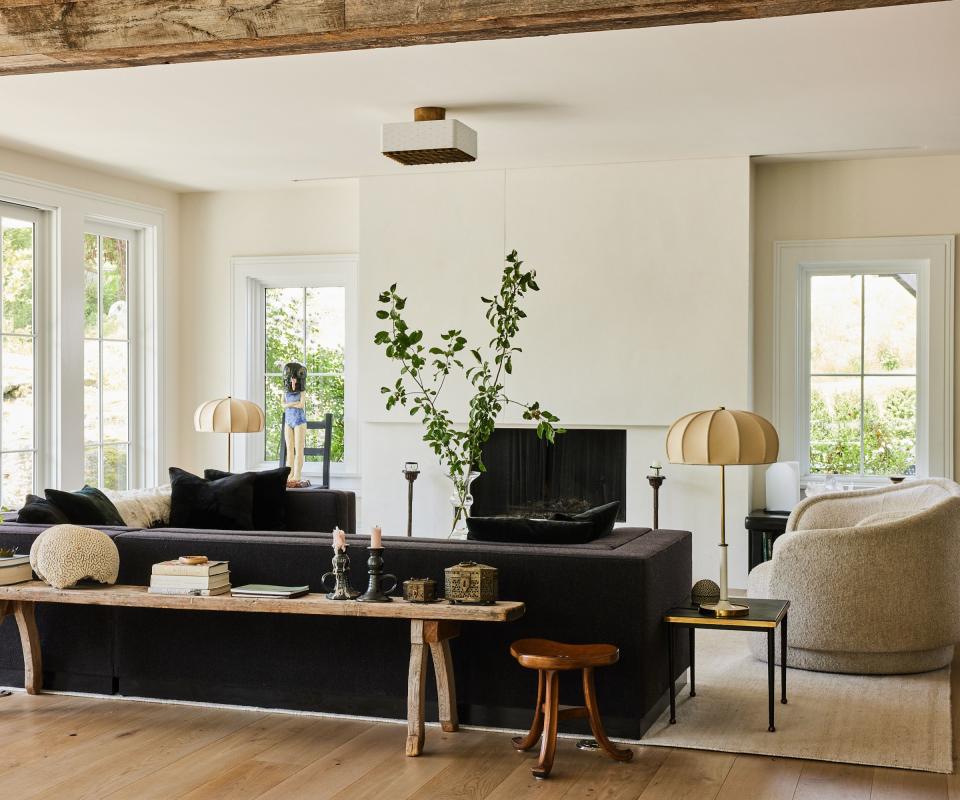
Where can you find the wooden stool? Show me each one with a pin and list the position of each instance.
(549, 658)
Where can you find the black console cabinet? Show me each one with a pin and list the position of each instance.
(763, 528)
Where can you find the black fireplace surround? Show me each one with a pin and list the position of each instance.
(613, 589)
(528, 477)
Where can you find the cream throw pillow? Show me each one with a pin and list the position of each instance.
(143, 508)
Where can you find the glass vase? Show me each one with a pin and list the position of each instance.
(461, 502)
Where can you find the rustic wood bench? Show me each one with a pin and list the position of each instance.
(432, 626)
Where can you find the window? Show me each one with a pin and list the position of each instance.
(296, 308)
(862, 363)
(106, 361)
(863, 383)
(18, 249)
(307, 325)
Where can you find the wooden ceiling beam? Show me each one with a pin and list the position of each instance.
(51, 35)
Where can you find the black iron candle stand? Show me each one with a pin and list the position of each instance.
(656, 481)
(376, 593)
(342, 590)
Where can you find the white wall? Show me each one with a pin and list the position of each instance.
(644, 314)
(216, 226)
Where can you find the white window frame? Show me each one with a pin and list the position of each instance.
(932, 259)
(251, 276)
(136, 355)
(66, 211)
(41, 341)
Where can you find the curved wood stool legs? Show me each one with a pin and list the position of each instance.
(536, 727)
(593, 714)
(548, 748)
(547, 715)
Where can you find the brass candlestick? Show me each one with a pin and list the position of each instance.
(342, 590)
(375, 593)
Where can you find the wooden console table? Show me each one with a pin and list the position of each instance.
(432, 626)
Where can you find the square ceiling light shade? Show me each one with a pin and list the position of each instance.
(429, 141)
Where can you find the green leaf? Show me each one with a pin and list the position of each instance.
(381, 314)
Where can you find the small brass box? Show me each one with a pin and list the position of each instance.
(420, 590)
(470, 582)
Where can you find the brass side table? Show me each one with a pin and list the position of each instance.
(765, 615)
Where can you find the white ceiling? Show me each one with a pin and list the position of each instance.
(885, 79)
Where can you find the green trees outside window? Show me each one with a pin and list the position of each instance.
(307, 325)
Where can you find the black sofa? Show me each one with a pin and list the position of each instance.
(614, 589)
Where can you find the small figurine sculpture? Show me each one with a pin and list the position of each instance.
(295, 421)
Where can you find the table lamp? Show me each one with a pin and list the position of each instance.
(228, 415)
(722, 438)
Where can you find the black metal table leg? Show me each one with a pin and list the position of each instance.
(693, 670)
(673, 688)
(771, 669)
(783, 660)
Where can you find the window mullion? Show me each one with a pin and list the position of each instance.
(100, 357)
(863, 366)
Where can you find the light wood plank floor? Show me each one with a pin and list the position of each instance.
(75, 748)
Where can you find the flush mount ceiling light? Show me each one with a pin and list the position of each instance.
(430, 139)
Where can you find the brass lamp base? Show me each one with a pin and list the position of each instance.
(724, 608)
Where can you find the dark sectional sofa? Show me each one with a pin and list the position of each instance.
(614, 589)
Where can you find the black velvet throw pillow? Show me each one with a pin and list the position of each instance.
(269, 496)
(38, 511)
(602, 518)
(89, 506)
(224, 504)
(529, 531)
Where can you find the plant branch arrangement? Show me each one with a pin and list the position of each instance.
(424, 372)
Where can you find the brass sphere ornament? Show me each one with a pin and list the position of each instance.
(704, 592)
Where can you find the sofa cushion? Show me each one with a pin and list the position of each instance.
(143, 508)
(269, 496)
(42, 511)
(602, 517)
(88, 506)
(226, 504)
(535, 531)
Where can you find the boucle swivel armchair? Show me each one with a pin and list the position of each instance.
(873, 579)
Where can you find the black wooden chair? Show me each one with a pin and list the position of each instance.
(324, 451)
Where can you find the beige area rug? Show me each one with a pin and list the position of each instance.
(889, 721)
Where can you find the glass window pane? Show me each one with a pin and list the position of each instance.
(273, 410)
(115, 392)
(16, 479)
(91, 391)
(115, 466)
(835, 324)
(835, 425)
(113, 275)
(91, 285)
(17, 393)
(91, 466)
(326, 397)
(283, 328)
(17, 258)
(326, 329)
(890, 425)
(890, 323)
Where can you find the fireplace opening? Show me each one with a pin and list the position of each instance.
(527, 477)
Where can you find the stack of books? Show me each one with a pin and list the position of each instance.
(207, 579)
(15, 569)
